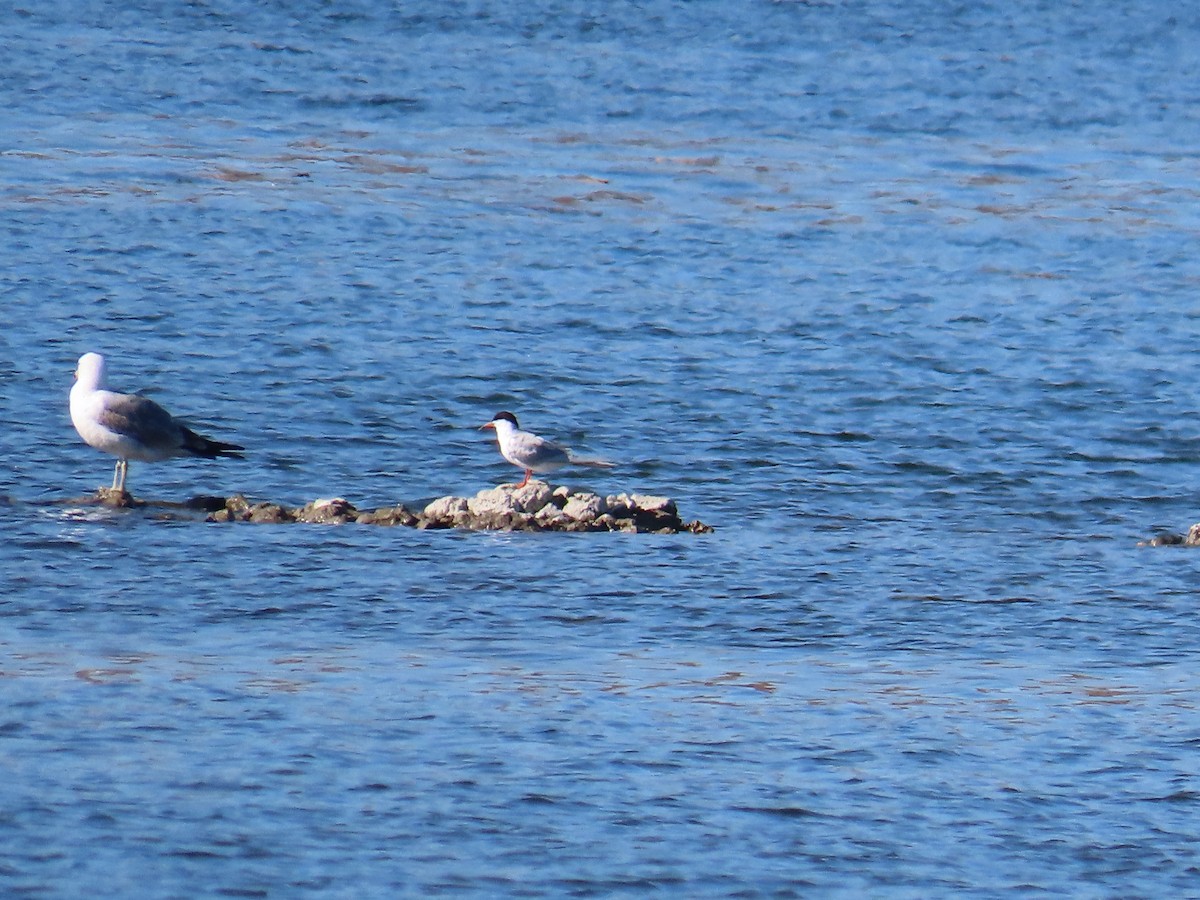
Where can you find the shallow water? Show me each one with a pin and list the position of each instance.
(897, 296)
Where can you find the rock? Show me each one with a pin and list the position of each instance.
(619, 506)
(389, 515)
(549, 517)
(445, 508)
(486, 504)
(1193, 536)
(205, 503)
(117, 498)
(507, 497)
(1164, 540)
(650, 504)
(434, 524)
(499, 521)
(270, 513)
(584, 507)
(445, 512)
(534, 507)
(333, 511)
(609, 522)
(236, 509)
(533, 496)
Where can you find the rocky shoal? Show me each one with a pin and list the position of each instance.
(1191, 539)
(535, 507)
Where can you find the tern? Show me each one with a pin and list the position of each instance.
(532, 453)
(130, 426)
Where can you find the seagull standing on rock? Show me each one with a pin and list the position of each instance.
(532, 453)
(132, 427)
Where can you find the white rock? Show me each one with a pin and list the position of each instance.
(618, 505)
(446, 508)
(548, 515)
(508, 498)
(482, 505)
(532, 497)
(322, 502)
(650, 503)
(584, 507)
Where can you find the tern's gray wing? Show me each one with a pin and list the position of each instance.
(142, 420)
(540, 451)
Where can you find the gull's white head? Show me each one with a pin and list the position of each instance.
(90, 371)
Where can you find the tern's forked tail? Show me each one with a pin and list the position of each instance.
(592, 461)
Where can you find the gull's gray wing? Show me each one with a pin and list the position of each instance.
(142, 420)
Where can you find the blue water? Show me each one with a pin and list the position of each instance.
(901, 297)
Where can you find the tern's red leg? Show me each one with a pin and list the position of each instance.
(528, 472)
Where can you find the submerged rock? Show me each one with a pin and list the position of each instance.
(334, 511)
(239, 509)
(389, 515)
(205, 503)
(1191, 539)
(116, 497)
(534, 507)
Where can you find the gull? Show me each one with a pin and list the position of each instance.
(532, 453)
(130, 426)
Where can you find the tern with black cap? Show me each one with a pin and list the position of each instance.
(533, 453)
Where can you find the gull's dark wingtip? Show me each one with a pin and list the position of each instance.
(198, 445)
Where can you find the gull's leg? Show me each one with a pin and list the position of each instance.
(123, 466)
(116, 474)
(528, 473)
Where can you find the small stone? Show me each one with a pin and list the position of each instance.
(1193, 536)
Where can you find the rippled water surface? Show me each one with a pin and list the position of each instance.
(898, 296)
